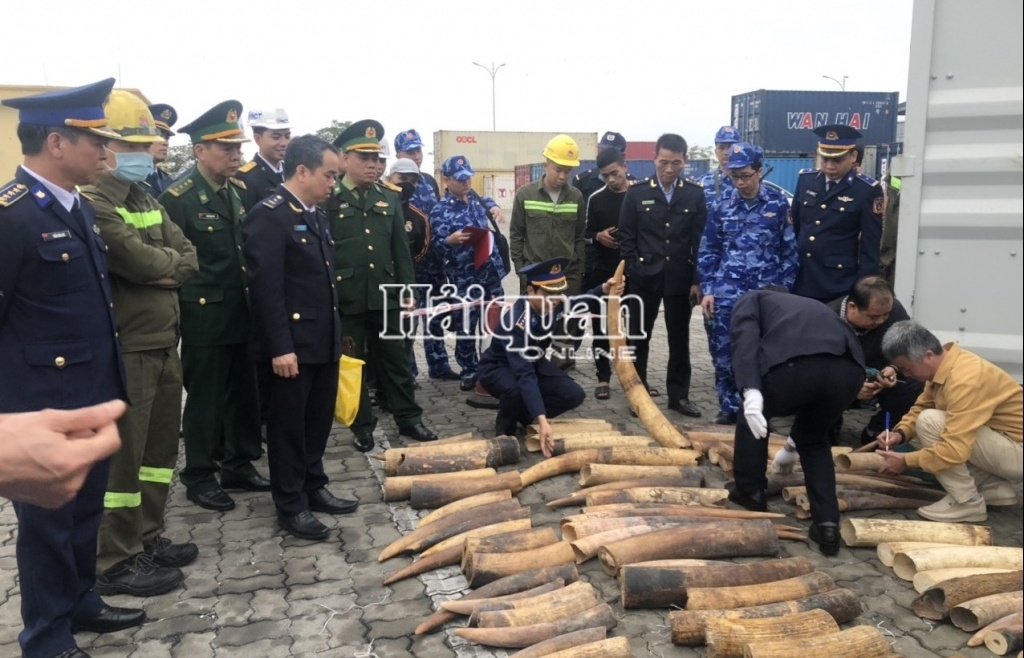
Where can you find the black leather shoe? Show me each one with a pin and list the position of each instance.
(138, 576)
(215, 500)
(109, 620)
(725, 419)
(324, 501)
(73, 652)
(304, 526)
(363, 441)
(826, 535)
(685, 407)
(167, 554)
(756, 502)
(467, 385)
(418, 432)
(447, 376)
(253, 482)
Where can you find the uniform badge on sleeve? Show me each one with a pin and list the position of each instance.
(878, 207)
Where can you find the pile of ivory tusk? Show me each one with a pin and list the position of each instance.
(959, 575)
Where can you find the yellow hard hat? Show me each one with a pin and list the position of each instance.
(562, 150)
(130, 118)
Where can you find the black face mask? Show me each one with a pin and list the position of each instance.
(407, 191)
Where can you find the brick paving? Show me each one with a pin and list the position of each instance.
(256, 593)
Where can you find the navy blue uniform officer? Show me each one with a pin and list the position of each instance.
(296, 332)
(514, 368)
(59, 349)
(837, 219)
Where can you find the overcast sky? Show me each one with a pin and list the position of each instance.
(646, 68)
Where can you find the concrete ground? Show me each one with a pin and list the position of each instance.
(255, 592)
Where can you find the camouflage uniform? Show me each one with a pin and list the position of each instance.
(451, 215)
(746, 246)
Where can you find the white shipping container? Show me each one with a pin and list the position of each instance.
(501, 188)
(502, 151)
(961, 230)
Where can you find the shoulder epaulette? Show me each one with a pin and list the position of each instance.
(812, 170)
(247, 167)
(692, 181)
(180, 188)
(867, 179)
(391, 186)
(11, 193)
(635, 181)
(240, 184)
(274, 201)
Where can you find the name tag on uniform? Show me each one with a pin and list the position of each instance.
(343, 206)
(811, 193)
(56, 235)
(300, 227)
(647, 202)
(208, 215)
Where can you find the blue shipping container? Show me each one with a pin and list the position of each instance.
(784, 171)
(783, 121)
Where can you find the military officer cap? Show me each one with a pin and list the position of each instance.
(548, 274)
(218, 124)
(269, 119)
(457, 167)
(727, 135)
(743, 154)
(78, 107)
(361, 136)
(836, 140)
(165, 116)
(612, 140)
(408, 140)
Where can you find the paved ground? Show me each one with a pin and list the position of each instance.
(257, 593)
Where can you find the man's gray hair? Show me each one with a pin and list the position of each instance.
(911, 340)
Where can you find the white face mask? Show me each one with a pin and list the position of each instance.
(133, 167)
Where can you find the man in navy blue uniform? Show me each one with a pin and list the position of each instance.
(837, 218)
(296, 332)
(271, 131)
(164, 116)
(717, 183)
(792, 356)
(748, 245)
(514, 368)
(660, 227)
(59, 349)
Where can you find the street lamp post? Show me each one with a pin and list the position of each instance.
(493, 72)
(841, 83)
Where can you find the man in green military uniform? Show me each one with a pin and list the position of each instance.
(371, 250)
(149, 259)
(221, 421)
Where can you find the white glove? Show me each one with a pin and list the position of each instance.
(785, 458)
(753, 406)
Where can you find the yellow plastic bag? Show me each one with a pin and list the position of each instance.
(350, 387)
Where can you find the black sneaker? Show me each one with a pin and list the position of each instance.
(138, 576)
(167, 554)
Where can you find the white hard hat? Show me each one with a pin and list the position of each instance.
(272, 119)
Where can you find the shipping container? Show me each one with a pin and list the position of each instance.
(961, 229)
(784, 171)
(640, 150)
(784, 121)
(488, 150)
